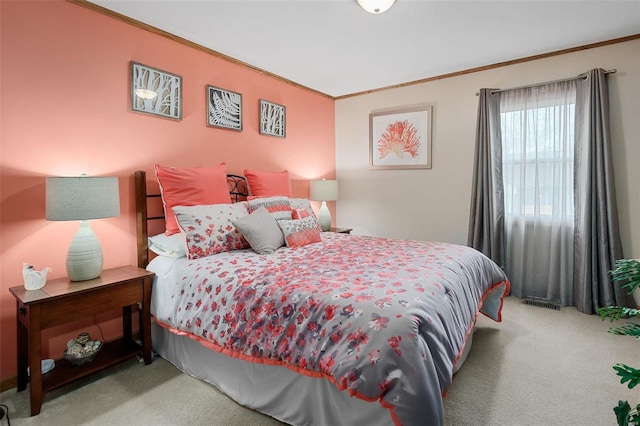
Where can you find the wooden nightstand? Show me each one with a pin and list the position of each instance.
(341, 230)
(61, 301)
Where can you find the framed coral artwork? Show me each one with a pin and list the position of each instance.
(224, 108)
(401, 138)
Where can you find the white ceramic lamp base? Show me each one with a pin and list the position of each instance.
(324, 217)
(84, 258)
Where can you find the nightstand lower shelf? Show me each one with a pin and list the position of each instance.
(111, 354)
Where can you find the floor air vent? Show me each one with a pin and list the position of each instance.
(541, 303)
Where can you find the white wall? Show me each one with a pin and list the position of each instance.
(434, 204)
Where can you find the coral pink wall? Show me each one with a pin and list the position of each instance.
(65, 111)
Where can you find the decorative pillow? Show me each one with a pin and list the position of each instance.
(169, 246)
(190, 187)
(278, 206)
(302, 203)
(299, 214)
(209, 229)
(300, 232)
(261, 230)
(268, 184)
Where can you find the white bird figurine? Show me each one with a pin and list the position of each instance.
(34, 280)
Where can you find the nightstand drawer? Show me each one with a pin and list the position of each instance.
(83, 305)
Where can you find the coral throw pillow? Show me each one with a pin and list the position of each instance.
(190, 187)
(268, 184)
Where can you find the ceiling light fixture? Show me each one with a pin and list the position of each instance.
(375, 6)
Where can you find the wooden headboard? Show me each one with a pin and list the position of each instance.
(151, 200)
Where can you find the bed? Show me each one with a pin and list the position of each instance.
(346, 330)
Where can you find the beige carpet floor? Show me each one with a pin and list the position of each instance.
(537, 367)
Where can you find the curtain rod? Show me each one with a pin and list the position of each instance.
(578, 77)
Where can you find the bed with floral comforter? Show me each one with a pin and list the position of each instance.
(384, 320)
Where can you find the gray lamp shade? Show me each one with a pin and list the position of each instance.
(324, 190)
(82, 198)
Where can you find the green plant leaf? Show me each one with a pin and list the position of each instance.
(627, 270)
(628, 374)
(635, 416)
(629, 329)
(622, 411)
(614, 313)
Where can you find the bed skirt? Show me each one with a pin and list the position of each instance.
(274, 390)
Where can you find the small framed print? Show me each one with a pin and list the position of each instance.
(156, 92)
(400, 139)
(272, 119)
(224, 108)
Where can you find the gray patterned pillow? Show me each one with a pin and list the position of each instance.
(261, 231)
(300, 232)
(278, 206)
(301, 203)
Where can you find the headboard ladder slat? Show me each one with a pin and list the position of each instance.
(141, 218)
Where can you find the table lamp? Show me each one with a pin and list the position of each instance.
(324, 190)
(83, 198)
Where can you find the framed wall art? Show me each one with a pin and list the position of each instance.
(156, 92)
(272, 119)
(401, 139)
(224, 108)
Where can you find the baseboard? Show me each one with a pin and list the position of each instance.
(12, 382)
(8, 383)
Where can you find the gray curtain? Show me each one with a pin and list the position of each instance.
(596, 241)
(486, 221)
(597, 236)
(538, 136)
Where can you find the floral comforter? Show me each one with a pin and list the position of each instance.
(382, 319)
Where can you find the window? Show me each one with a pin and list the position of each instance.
(537, 128)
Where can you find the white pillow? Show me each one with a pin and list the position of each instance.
(168, 245)
(261, 231)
